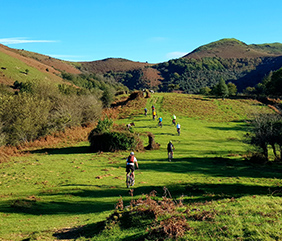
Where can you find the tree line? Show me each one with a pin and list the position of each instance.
(37, 108)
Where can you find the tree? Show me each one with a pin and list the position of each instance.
(274, 86)
(205, 91)
(108, 96)
(249, 90)
(232, 88)
(222, 89)
(267, 131)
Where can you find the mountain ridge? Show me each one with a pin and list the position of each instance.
(136, 75)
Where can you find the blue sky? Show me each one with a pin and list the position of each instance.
(145, 30)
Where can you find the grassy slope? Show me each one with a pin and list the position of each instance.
(15, 70)
(70, 187)
(233, 48)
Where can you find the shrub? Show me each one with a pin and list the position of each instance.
(113, 141)
(25, 118)
(39, 109)
(257, 158)
(108, 96)
(205, 91)
(103, 126)
(103, 138)
(267, 131)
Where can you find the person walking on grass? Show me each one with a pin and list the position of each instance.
(154, 115)
(178, 128)
(145, 111)
(131, 161)
(173, 119)
(160, 122)
(170, 149)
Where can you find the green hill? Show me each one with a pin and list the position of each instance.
(233, 48)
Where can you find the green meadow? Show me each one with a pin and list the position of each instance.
(68, 193)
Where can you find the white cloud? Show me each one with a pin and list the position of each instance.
(174, 55)
(22, 40)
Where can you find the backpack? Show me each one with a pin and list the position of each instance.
(130, 159)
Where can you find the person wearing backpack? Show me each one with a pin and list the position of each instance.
(131, 161)
(154, 114)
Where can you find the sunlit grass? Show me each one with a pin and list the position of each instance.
(68, 187)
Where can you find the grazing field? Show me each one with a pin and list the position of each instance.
(70, 193)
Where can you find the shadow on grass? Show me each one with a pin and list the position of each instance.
(126, 222)
(38, 207)
(191, 193)
(203, 192)
(212, 167)
(86, 231)
(65, 150)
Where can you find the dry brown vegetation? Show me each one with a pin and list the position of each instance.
(112, 64)
(57, 64)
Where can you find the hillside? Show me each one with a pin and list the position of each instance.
(233, 48)
(111, 65)
(229, 59)
(13, 66)
(57, 64)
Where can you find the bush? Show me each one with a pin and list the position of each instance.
(113, 141)
(265, 132)
(108, 96)
(25, 118)
(103, 138)
(103, 126)
(257, 158)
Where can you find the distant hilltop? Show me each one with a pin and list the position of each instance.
(233, 48)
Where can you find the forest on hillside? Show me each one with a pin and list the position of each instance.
(191, 75)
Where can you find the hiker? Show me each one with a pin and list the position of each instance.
(160, 122)
(129, 125)
(173, 119)
(154, 115)
(178, 128)
(170, 149)
(131, 161)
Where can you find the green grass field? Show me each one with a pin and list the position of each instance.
(68, 193)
